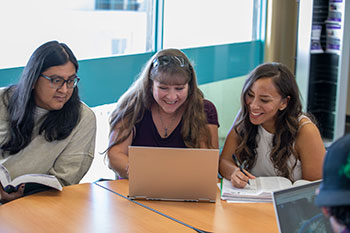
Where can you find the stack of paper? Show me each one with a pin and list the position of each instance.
(259, 190)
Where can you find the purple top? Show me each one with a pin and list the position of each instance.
(147, 134)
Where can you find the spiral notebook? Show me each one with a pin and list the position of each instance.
(173, 174)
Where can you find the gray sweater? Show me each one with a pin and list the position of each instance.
(67, 159)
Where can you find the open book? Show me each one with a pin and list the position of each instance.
(12, 185)
(259, 190)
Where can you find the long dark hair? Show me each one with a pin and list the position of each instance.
(286, 123)
(19, 100)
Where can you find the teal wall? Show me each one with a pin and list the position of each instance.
(225, 95)
(9, 76)
(104, 80)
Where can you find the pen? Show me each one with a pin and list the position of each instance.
(241, 166)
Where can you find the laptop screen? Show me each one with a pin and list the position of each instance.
(296, 212)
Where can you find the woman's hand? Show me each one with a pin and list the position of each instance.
(239, 179)
(127, 170)
(118, 154)
(6, 197)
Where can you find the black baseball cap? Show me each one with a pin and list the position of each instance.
(335, 186)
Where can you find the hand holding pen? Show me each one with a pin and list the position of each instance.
(242, 169)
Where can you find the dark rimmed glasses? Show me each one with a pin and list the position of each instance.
(166, 60)
(58, 82)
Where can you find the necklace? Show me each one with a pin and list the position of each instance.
(161, 121)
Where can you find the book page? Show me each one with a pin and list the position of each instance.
(5, 178)
(248, 190)
(301, 182)
(272, 183)
(44, 179)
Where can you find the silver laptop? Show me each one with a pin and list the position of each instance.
(296, 212)
(173, 174)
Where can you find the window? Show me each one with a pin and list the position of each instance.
(199, 23)
(117, 5)
(91, 28)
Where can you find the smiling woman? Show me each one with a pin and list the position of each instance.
(163, 108)
(271, 133)
(44, 127)
(263, 102)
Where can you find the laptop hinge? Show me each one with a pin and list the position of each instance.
(203, 199)
(138, 197)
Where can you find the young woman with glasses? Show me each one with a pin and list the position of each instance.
(44, 127)
(163, 108)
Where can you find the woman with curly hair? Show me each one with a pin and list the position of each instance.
(271, 134)
(163, 108)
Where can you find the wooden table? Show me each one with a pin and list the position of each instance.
(213, 217)
(81, 208)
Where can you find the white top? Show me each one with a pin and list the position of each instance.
(264, 165)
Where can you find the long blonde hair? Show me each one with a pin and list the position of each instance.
(132, 104)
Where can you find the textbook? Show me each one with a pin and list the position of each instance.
(12, 185)
(259, 190)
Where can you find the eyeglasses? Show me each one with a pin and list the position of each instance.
(58, 82)
(166, 60)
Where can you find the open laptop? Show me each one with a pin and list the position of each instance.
(296, 212)
(173, 174)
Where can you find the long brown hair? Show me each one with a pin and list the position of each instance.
(132, 104)
(286, 123)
